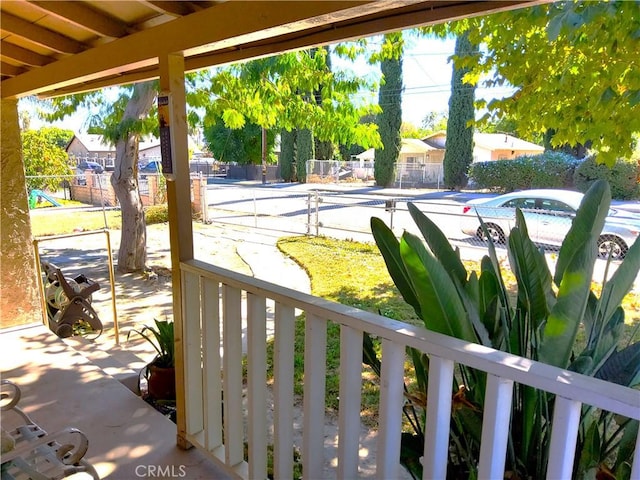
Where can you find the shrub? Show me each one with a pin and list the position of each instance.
(548, 170)
(156, 214)
(623, 177)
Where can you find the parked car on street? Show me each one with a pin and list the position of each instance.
(83, 166)
(548, 215)
(154, 166)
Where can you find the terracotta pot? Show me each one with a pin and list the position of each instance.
(162, 383)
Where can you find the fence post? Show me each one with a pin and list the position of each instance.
(203, 199)
(309, 213)
(317, 214)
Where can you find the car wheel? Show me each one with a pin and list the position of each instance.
(495, 233)
(611, 244)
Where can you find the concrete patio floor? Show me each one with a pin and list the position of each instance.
(128, 439)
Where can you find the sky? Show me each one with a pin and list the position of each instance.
(427, 83)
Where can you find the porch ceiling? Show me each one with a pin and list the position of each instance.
(54, 48)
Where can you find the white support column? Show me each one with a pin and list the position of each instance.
(257, 384)
(495, 427)
(564, 434)
(315, 346)
(211, 363)
(350, 396)
(391, 402)
(192, 354)
(283, 370)
(232, 374)
(436, 441)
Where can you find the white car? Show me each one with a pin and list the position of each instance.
(548, 215)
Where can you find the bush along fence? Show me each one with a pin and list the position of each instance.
(557, 170)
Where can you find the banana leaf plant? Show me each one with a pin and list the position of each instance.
(540, 320)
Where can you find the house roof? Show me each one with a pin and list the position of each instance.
(409, 145)
(64, 47)
(488, 141)
(501, 141)
(96, 143)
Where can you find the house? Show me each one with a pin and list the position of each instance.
(98, 44)
(93, 147)
(412, 150)
(490, 146)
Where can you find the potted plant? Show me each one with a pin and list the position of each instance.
(160, 372)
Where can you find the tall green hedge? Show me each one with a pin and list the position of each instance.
(287, 154)
(623, 177)
(557, 170)
(548, 170)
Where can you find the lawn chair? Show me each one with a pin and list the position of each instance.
(34, 454)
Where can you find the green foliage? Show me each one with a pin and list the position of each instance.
(292, 90)
(156, 214)
(390, 100)
(574, 68)
(162, 339)
(548, 170)
(287, 155)
(242, 145)
(623, 177)
(541, 323)
(459, 145)
(44, 156)
(434, 122)
(305, 151)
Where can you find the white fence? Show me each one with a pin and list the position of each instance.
(417, 175)
(217, 300)
(335, 171)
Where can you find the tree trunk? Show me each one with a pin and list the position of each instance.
(132, 254)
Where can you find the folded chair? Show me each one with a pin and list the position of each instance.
(32, 453)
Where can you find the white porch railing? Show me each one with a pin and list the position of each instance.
(217, 300)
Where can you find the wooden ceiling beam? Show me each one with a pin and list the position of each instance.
(10, 70)
(23, 55)
(261, 20)
(177, 9)
(84, 17)
(39, 35)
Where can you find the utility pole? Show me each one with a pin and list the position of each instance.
(264, 155)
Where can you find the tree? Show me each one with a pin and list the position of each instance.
(574, 66)
(242, 145)
(390, 101)
(122, 122)
(305, 152)
(435, 122)
(288, 155)
(44, 157)
(459, 144)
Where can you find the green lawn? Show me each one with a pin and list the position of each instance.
(59, 222)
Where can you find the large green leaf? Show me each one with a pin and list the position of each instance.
(442, 309)
(439, 244)
(586, 225)
(532, 274)
(390, 248)
(562, 324)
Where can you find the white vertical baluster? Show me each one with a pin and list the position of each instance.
(232, 364)
(635, 468)
(350, 394)
(564, 433)
(391, 403)
(211, 363)
(315, 345)
(436, 442)
(192, 350)
(495, 427)
(257, 384)
(283, 353)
